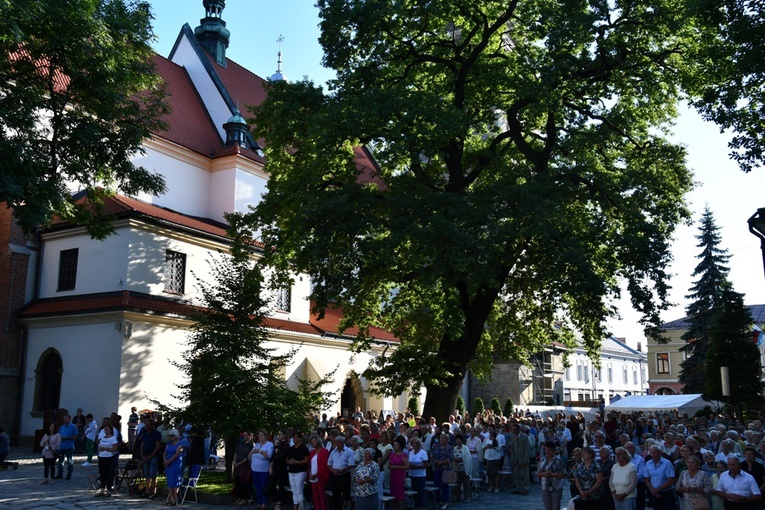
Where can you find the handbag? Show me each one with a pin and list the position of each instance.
(448, 477)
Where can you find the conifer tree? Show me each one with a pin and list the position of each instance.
(712, 272)
(234, 379)
(731, 345)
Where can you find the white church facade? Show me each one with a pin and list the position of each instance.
(103, 319)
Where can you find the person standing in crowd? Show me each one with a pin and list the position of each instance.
(107, 448)
(341, 461)
(318, 473)
(242, 471)
(639, 463)
(132, 427)
(441, 456)
(90, 438)
(521, 451)
(754, 468)
(737, 488)
(398, 464)
(51, 444)
(78, 420)
(260, 463)
(589, 482)
(462, 466)
(551, 471)
(173, 461)
(717, 501)
(659, 476)
(694, 485)
(151, 442)
(492, 454)
(623, 481)
(365, 478)
(418, 464)
(5, 450)
(297, 466)
(68, 433)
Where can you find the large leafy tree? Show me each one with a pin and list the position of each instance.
(731, 345)
(712, 272)
(523, 170)
(78, 96)
(727, 80)
(234, 378)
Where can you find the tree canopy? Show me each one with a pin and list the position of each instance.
(712, 272)
(524, 169)
(78, 96)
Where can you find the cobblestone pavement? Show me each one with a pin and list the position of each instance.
(21, 489)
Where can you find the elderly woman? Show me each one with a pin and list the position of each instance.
(589, 481)
(694, 485)
(418, 463)
(462, 459)
(173, 462)
(606, 463)
(441, 455)
(573, 462)
(623, 481)
(475, 445)
(717, 502)
(365, 481)
(551, 471)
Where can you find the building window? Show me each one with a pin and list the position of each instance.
(67, 269)
(610, 374)
(634, 376)
(625, 375)
(586, 372)
(284, 298)
(48, 381)
(567, 374)
(578, 370)
(662, 363)
(175, 272)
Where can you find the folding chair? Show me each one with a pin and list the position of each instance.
(131, 474)
(190, 483)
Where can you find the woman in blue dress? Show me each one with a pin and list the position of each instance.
(173, 465)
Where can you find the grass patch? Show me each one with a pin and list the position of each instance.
(210, 482)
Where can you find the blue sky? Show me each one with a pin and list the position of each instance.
(732, 195)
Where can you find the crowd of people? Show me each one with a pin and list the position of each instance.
(612, 462)
(620, 461)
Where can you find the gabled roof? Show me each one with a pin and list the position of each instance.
(757, 311)
(124, 207)
(331, 321)
(126, 301)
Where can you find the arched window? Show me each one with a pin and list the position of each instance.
(48, 386)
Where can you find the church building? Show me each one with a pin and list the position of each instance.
(94, 324)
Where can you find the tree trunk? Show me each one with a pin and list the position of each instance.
(230, 447)
(441, 401)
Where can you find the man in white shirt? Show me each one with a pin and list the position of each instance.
(737, 488)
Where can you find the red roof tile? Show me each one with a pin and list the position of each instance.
(137, 302)
(331, 321)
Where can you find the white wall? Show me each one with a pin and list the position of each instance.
(91, 356)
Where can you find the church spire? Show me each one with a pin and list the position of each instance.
(278, 75)
(212, 31)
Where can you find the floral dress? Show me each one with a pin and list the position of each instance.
(695, 500)
(371, 471)
(554, 466)
(588, 477)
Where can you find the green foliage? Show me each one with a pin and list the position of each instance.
(730, 345)
(460, 405)
(478, 405)
(496, 407)
(726, 81)
(414, 405)
(523, 172)
(508, 410)
(234, 380)
(78, 96)
(712, 272)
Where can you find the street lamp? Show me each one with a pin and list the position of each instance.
(757, 228)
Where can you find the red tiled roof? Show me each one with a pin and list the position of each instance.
(138, 302)
(331, 320)
(188, 123)
(121, 207)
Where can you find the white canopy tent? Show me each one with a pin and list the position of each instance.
(681, 403)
